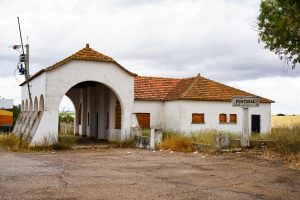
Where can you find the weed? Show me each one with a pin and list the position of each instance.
(177, 142)
(13, 142)
(129, 141)
(287, 139)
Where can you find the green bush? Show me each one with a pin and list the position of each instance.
(65, 116)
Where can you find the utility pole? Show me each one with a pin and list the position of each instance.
(27, 75)
(26, 60)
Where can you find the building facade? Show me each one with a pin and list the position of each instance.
(109, 101)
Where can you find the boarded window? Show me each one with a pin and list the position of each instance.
(117, 115)
(232, 118)
(198, 118)
(143, 119)
(222, 118)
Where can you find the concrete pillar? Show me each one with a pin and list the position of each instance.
(84, 112)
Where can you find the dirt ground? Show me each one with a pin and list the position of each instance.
(143, 174)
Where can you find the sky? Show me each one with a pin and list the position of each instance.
(168, 38)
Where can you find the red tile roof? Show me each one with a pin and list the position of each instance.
(153, 88)
(194, 88)
(87, 54)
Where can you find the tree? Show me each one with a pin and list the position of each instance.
(65, 116)
(279, 28)
(16, 112)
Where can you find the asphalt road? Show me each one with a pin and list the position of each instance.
(143, 174)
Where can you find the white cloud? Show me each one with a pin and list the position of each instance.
(175, 38)
(9, 89)
(283, 90)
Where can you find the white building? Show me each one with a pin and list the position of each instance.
(109, 100)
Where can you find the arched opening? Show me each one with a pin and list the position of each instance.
(26, 105)
(41, 107)
(22, 106)
(66, 116)
(30, 105)
(98, 111)
(35, 105)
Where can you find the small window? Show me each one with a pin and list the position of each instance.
(143, 119)
(198, 118)
(222, 118)
(233, 118)
(88, 119)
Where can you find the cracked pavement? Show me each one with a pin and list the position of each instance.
(143, 174)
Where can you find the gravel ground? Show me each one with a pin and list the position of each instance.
(143, 174)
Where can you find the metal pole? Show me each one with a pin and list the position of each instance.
(245, 135)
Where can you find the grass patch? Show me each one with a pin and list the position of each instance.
(129, 141)
(146, 132)
(177, 142)
(13, 142)
(64, 142)
(181, 142)
(287, 139)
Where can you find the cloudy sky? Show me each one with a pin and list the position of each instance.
(170, 38)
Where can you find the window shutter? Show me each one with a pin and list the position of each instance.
(233, 118)
(143, 119)
(222, 118)
(198, 118)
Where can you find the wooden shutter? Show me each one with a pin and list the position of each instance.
(222, 118)
(198, 118)
(143, 119)
(232, 118)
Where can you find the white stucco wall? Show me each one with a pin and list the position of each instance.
(55, 84)
(178, 116)
(156, 110)
(37, 88)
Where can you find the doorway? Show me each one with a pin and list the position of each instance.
(255, 123)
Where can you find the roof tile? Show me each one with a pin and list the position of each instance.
(194, 88)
